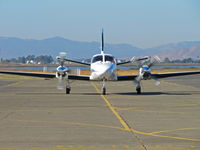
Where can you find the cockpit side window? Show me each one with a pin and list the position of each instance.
(97, 58)
(109, 58)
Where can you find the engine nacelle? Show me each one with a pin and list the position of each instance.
(146, 75)
(61, 71)
(145, 72)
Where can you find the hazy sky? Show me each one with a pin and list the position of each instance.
(142, 23)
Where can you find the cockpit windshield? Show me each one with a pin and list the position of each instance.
(97, 58)
(109, 58)
(100, 58)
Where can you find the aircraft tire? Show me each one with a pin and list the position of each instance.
(104, 91)
(68, 90)
(138, 90)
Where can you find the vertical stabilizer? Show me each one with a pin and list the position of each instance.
(102, 43)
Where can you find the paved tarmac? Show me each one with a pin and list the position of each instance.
(35, 115)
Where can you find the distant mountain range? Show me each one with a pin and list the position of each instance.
(14, 47)
(179, 50)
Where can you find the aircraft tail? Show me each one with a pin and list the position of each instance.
(102, 42)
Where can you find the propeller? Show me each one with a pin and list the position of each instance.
(62, 70)
(142, 61)
(144, 65)
(60, 83)
(148, 61)
(61, 58)
(157, 82)
(153, 61)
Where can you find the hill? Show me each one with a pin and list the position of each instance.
(11, 47)
(177, 50)
(15, 47)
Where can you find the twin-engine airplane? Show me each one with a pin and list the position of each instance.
(103, 68)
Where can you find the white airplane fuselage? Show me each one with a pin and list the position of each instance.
(104, 68)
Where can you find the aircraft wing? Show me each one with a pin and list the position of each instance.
(74, 61)
(78, 77)
(126, 77)
(45, 75)
(157, 76)
(122, 63)
(77, 62)
(174, 74)
(132, 60)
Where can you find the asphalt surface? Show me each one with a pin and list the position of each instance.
(35, 115)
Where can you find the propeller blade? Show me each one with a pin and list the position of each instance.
(60, 83)
(62, 55)
(142, 61)
(157, 82)
(135, 82)
(155, 59)
(61, 58)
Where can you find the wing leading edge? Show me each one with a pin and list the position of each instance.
(74, 61)
(157, 76)
(81, 77)
(174, 74)
(126, 77)
(132, 60)
(44, 75)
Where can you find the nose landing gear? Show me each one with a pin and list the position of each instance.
(138, 88)
(104, 87)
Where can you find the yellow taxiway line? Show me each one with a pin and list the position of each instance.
(122, 121)
(14, 84)
(124, 124)
(127, 128)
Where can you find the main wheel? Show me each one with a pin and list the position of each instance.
(138, 90)
(68, 90)
(104, 91)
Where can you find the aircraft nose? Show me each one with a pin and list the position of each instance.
(106, 72)
(103, 72)
(106, 69)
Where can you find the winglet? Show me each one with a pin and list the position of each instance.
(102, 42)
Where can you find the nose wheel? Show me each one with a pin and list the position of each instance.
(104, 87)
(138, 90)
(104, 91)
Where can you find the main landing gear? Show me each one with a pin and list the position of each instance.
(104, 87)
(68, 88)
(138, 88)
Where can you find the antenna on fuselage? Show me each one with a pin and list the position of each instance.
(102, 43)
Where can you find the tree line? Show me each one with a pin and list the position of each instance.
(186, 60)
(31, 59)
